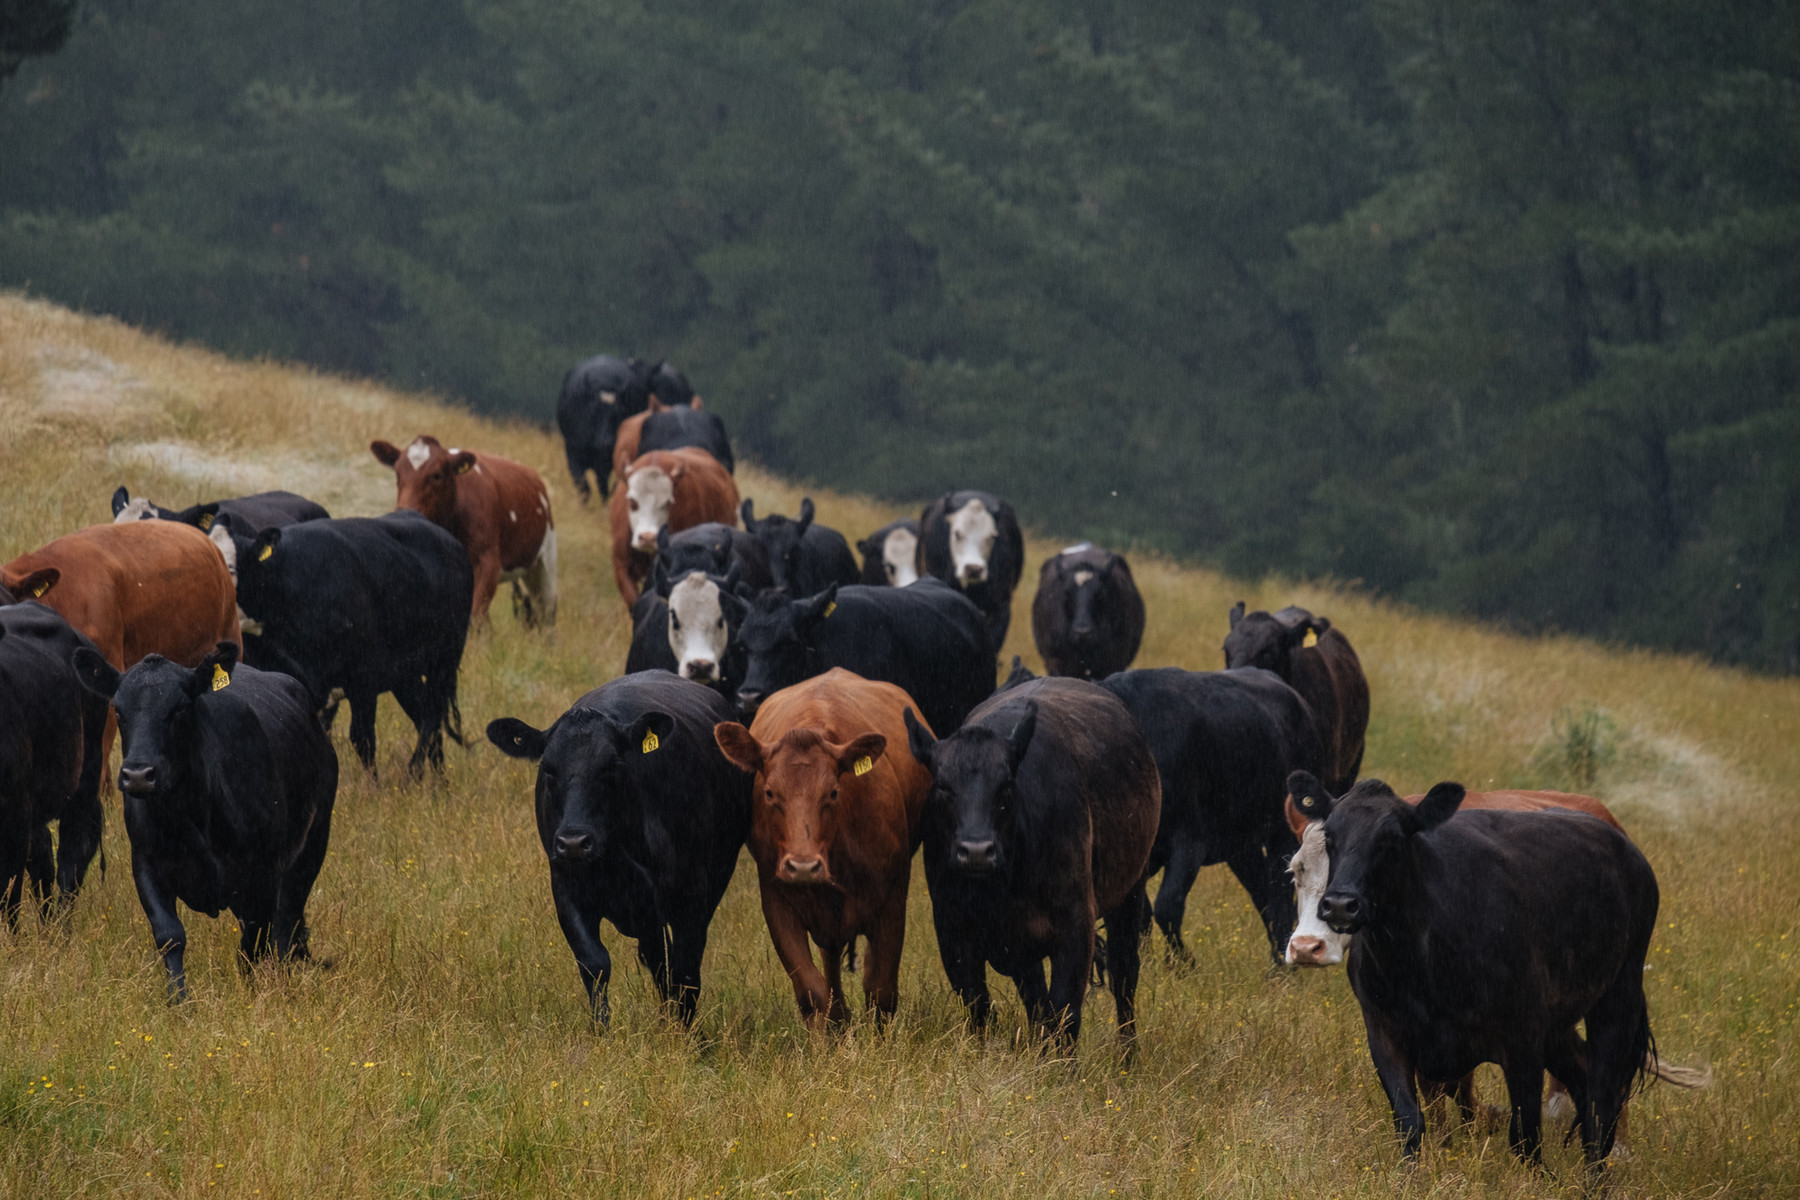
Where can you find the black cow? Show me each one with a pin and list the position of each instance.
(248, 515)
(971, 540)
(690, 627)
(804, 558)
(596, 395)
(1087, 617)
(368, 605)
(1317, 661)
(641, 818)
(1224, 743)
(50, 757)
(673, 428)
(891, 554)
(229, 782)
(670, 386)
(1487, 939)
(714, 548)
(927, 640)
(1041, 817)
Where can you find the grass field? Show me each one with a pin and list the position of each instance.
(447, 1051)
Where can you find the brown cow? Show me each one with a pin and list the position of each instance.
(1316, 944)
(497, 508)
(147, 587)
(1318, 662)
(677, 489)
(834, 821)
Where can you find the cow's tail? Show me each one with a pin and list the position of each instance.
(453, 722)
(1691, 1078)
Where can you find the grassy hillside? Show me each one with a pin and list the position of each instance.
(447, 1050)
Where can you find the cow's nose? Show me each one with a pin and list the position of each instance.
(749, 701)
(135, 781)
(801, 870)
(973, 572)
(1342, 911)
(977, 857)
(1304, 950)
(700, 670)
(1082, 629)
(646, 541)
(575, 845)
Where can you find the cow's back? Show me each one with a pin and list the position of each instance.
(518, 504)
(704, 492)
(1512, 800)
(145, 587)
(1330, 677)
(927, 639)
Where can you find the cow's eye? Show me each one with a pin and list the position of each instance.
(721, 623)
(674, 621)
(633, 504)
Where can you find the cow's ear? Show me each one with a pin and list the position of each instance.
(728, 582)
(806, 515)
(120, 499)
(516, 739)
(1438, 806)
(866, 548)
(1019, 740)
(386, 453)
(1309, 795)
(919, 739)
(214, 672)
(733, 606)
(659, 570)
(37, 583)
(1237, 614)
(263, 548)
(94, 673)
(462, 462)
(1020, 673)
(202, 516)
(818, 607)
(696, 402)
(858, 758)
(1297, 820)
(748, 511)
(649, 732)
(739, 748)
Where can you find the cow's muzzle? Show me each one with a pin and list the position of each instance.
(972, 573)
(1345, 912)
(976, 857)
(804, 871)
(1304, 950)
(749, 701)
(137, 781)
(700, 670)
(574, 845)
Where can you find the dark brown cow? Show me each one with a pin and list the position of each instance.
(1318, 662)
(834, 821)
(497, 508)
(147, 587)
(672, 489)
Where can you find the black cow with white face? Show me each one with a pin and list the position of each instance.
(641, 818)
(1087, 617)
(891, 554)
(928, 640)
(597, 394)
(249, 515)
(50, 757)
(690, 627)
(673, 428)
(1488, 938)
(971, 540)
(1224, 743)
(714, 548)
(229, 782)
(366, 605)
(1041, 816)
(1318, 661)
(805, 558)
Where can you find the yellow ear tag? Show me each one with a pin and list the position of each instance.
(1307, 802)
(221, 680)
(206, 520)
(831, 608)
(1312, 639)
(462, 468)
(863, 765)
(266, 553)
(650, 742)
(37, 593)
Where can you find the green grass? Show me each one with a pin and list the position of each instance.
(447, 1052)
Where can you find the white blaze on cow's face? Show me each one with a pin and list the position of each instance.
(138, 509)
(899, 557)
(418, 454)
(648, 497)
(1313, 943)
(697, 629)
(972, 533)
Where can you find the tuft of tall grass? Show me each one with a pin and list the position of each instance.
(447, 1052)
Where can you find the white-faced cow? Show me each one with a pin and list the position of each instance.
(891, 554)
(1087, 617)
(714, 548)
(229, 782)
(664, 489)
(691, 632)
(971, 540)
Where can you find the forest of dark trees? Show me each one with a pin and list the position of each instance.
(1490, 305)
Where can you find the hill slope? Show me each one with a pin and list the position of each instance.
(446, 1052)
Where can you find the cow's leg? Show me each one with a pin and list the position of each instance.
(427, 708)
(292, 938)
(1524, 1068)
(540, 581)
(831, 954)
(15, 851)
(1171, 895)
(14, 895)
(578, 912)
(794, 949)
(1070, 962)
(964, 967)
(881, 959)
(166, 930)
(653, 952)
(362, 726)
(40, 865)
(487, 582)
(687, 946)
(1395, 1071)
(77, 841)
(1122, 926)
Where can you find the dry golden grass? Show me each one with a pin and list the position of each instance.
(447, 1051)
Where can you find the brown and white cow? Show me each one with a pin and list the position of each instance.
(835, 816)
(672, 489)
(1315, 944)
(148, 587)
(497, 508)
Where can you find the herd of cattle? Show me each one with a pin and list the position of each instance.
(218, 641)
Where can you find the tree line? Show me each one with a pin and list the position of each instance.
(1487, 304)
